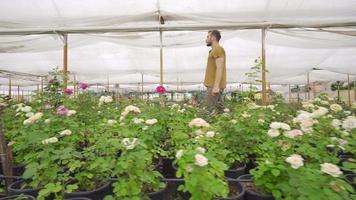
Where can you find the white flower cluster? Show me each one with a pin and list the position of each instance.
(201, 160)
(50, 140)
(349, 123)
(111, 122)
(200, 134)
(295, 161)
(151, 121)
(306, 121)
(179, 154)
(105, 99)
(66, 132)
(293, 133)
(129, 143)
(129, 109)
(198, 122)
(331, 169)
(245, 115)
(138, 120)
(33, 118)
(335, 107)
(275, 127)
(336, 123)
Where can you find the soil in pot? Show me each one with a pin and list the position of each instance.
(236, 170)
(172, 190)
(102, 189)
(351, 178)
(236, 191)
(19, 197)
(154, 194)
(252, 192)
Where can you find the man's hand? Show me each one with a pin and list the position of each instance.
(215, 91)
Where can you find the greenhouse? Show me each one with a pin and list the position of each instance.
(178, 100)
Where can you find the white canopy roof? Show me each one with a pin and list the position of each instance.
(120, 39)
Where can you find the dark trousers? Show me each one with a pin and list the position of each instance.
(215, 102)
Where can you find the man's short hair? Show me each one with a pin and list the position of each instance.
(216, 34)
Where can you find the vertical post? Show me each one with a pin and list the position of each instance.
(65, 60)
(161, 59)
(41, 86)
(289, 94)
(108, 83)
(74, 88)
(349, 89)
(308, 86)
(264, 95)
(18, 93)
(10, 87)
(38, 90)
(142, 85)
(338, 90)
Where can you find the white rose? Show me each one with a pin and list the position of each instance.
(320, 112)
(200, 150)
(285, 126)
(179, 154)
(201, 160)
(295, 160)
(275, 125)
(331, 169)
(226, 110)
(66, 132)
(27, 122)
(325, 103)
(50, 140)
(47, 121)
(293, 133)
(129, 143)
(36, 116)
(199, 132)
(335, 107)
(29, 114)
(245, 115)
(151, 121)
(26, 109)
(273, 133)
(71, 112)
(336, 123)
(111, 122)
(210, 134)
(198, 122)
(349, 123)
(233, 121)
(261, 121)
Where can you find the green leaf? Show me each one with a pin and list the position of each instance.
(276, 172)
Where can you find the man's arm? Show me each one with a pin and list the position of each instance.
(218, 76)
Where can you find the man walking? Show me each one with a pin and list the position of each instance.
(215, 74)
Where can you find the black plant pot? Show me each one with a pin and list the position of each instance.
(172, 189)
(13, 197)
(159, 195)
(15, 189)
(350, 179)
(17, 170)
(251, 195)
(79, 198)
(165, 167)
(98, 193)
(236, 185)
(345, 156)
(234, 173)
